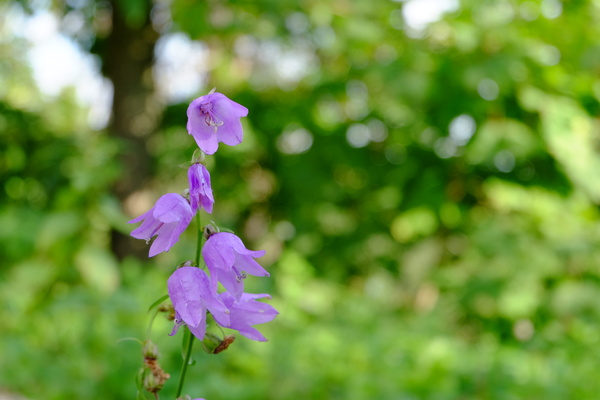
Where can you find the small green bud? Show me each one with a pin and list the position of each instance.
(187, 263)
(186, 194)
(210, 342)
(153, 377)
(209, 230)
(213, 344)
(198, 157)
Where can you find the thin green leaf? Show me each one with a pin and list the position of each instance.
(157, 302)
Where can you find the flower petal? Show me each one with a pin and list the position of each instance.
(167, 237)
(172, 207)
(217, 251)
(227, 259)
(228, 111)
(200, 189)
(247, 312)
(198, 331)
(249, 265)
(231, 282)
(178, 324)
(191, 293)
(187, 287)
(148, 227)
(207, 143)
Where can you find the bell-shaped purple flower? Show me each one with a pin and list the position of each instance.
(169, 217)
(192, 295)
(213, 119)
(247, 312)
(200, 190)
(229, 261)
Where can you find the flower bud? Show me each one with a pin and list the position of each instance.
(198, 157)
(209, 230)
(210, 342)
(150, 350)
(151, 375)
(213, 344)
(149, 380)
(187, 263)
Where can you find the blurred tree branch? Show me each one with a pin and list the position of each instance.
(128, 58)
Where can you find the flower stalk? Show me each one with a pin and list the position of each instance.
(186, 362)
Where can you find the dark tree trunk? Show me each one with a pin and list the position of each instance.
(128, 60)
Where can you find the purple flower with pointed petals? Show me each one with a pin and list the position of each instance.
(191, 293)
(229, 261)
(247, 312)
(214, 118)
(169, 217)
(200, 190)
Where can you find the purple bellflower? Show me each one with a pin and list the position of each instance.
(200, 190)
(192, 295)
(247, 312)
(214, 118)
(169, 217)
(229, 261)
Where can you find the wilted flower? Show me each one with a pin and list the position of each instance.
(200, 190)
(192, 295)
(214, 118)
(229, 261)
(151, 376)
(169, 217)
(225, 343)
(215, 344)
(247, 312)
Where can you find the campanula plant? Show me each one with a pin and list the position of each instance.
(193, 288)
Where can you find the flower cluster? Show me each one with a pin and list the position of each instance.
(211, 119)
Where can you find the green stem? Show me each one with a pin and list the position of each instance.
(186, 362)
(149, 329)
(199, 243)
(190, 342)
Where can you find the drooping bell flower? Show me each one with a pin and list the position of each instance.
(247, 312)
(192, 295)
(169, 217)
(213, 119)
(200, 190)
(229, 262)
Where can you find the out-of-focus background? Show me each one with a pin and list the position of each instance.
(424, 176)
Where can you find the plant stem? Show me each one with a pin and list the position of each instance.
(149, 329)
(186, 362)
(199, 243)
(190, 342)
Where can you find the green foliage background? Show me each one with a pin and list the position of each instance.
(414, 266)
